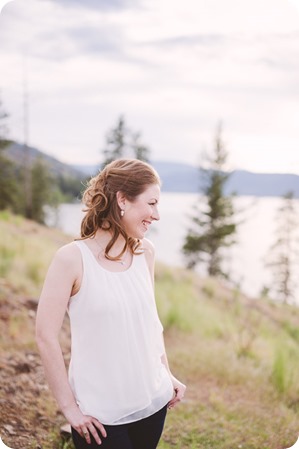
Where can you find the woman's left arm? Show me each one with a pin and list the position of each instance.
(178, 387)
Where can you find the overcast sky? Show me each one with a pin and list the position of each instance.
(173, 68)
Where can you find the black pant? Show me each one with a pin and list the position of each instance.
(143, 434)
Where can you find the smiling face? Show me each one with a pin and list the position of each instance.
(139, 214)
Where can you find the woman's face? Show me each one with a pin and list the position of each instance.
(139, 214)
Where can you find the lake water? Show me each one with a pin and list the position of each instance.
(245, 260)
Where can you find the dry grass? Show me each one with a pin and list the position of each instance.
(238, 357)
(240, 362)
(230, 403)
(25, 252)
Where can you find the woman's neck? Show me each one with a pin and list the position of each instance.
(102, 238)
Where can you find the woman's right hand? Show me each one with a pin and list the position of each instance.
(85, 425)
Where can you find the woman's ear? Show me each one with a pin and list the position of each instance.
(121, 199)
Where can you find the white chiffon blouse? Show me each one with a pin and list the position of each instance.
(116, 372)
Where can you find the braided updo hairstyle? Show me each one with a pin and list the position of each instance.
(129, 176)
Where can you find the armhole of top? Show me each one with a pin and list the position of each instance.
(80, 250)
(145, 252)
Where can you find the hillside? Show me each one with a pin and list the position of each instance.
(15, 152)
(238, 357)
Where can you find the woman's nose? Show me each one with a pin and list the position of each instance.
(155, 214)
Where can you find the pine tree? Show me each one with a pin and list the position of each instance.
(42, 187)
(4, 142)
(140, 151)
(213, 225)
(121, 142)
(9, 188)
(115, 142)
(282, 258)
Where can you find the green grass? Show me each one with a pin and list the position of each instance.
(238, 357)
(239, 360)
(25, 252)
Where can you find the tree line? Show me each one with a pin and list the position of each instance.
(26, 186)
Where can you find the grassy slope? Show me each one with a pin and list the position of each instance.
(238, 357)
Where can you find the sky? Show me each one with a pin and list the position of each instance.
(174, 70)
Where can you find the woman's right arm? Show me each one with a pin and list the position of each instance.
(62, 280)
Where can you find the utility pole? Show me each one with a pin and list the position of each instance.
(26, 152)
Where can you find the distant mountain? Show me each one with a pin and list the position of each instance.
(178, 177)
(181, 177)
(262, 184)
(15, 152)
(88, 169)
(175, 176)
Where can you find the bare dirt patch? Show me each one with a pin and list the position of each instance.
(28, 413)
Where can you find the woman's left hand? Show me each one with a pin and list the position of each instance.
(179, 391)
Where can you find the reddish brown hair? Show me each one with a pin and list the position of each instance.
(129, 176)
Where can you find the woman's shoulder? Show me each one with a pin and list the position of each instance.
(148, 246)
(149, 253)
(68, 253)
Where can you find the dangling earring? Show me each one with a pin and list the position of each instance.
(122, 212)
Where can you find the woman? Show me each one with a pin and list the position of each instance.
(119, 384)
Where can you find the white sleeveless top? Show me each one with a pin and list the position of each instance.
(116, 372)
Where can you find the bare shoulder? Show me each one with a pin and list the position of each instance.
(68, 256)
(68, 252)
(63, 276)
(149, 252)
(148, 246)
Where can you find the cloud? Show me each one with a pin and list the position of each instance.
(98, 4)
(3, 3)
(274, 52)
(191, 40)
(173, 68)
(277, 53)
(44, 32)
(97, 39)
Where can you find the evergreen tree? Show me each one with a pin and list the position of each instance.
(122, 142)
(10, 191)
(44, 190)
(213, 225)
(282, 258)
(9, 188)
(115, 142)
(140, 151)
(3, 127)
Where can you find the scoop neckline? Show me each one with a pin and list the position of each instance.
(105, 269)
